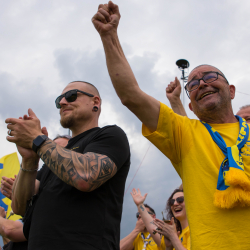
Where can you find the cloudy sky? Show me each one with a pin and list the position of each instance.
(46, 44)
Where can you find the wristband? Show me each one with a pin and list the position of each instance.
(28, 170)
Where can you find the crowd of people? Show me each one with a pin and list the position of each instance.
(85, 175)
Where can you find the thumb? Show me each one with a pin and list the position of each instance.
(114, 8)
(31, 113)
(172, 221)
(45, 131)
(177, 82)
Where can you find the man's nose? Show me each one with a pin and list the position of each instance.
(63, 101)
(202, 84)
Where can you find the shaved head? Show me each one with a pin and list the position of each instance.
(216, 69)
(92, 88)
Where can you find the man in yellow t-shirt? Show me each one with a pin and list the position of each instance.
(186, 142)
(139, 238)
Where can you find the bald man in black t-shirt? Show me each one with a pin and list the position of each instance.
(80, 204)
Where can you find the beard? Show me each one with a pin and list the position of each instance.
(67, 122)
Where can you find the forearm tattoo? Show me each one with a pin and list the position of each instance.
(78, 170)
(142, 208)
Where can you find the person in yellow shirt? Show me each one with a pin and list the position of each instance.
(211, 155)
(142, 237)
(178, 224)
(170, 230)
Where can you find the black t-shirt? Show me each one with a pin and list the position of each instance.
(66, 218)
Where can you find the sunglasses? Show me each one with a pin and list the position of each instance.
(179, 200)
(70, 96)
(138, 214)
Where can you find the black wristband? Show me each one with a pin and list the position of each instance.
(38, 142)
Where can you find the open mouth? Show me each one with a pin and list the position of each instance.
(178, 210)
(206, 94)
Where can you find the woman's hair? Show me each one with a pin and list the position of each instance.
(169, 211)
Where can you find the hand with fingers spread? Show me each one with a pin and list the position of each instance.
(6, 186)
(166, 229)
(24, 131)
(107, 18)
(137, 197)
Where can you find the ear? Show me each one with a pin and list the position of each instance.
(97, 101)
(190, 106)
(232, 91)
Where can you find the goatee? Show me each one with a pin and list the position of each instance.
(67, 122)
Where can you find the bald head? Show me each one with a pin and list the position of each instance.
(207, 65)
(244, 112)
(87, 86)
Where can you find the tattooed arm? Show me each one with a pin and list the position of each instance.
(86, 172)
(144, 214)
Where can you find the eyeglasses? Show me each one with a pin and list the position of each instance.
(138, 214)
(70, 96)
(179, 200)
(207, 78)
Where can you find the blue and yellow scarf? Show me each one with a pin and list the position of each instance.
(233, 186)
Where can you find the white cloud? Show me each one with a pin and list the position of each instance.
(46, 44)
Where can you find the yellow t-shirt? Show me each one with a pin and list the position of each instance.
(197, 159)
(184, 238)
(138, 242)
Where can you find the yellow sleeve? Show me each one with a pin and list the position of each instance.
(168, 135)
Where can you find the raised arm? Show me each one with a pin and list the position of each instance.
(147, 219)
(145, 107)
(173, 92)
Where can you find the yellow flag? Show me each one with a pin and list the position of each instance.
(9, 167)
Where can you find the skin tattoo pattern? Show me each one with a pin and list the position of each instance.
(142, 208)
(74, 168)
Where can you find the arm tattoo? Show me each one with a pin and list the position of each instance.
(89, 169)
(142, 208)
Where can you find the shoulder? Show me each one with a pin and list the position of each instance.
(113, 131)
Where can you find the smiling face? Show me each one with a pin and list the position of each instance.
(245, 113)
(80, 111)
(178, 209)
(210, 98)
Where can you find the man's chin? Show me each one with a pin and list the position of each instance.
(67, 123)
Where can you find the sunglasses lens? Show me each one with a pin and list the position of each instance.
(58, 99)
(137, 215)
(180, 199)
(71, 96)
(172, 202)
